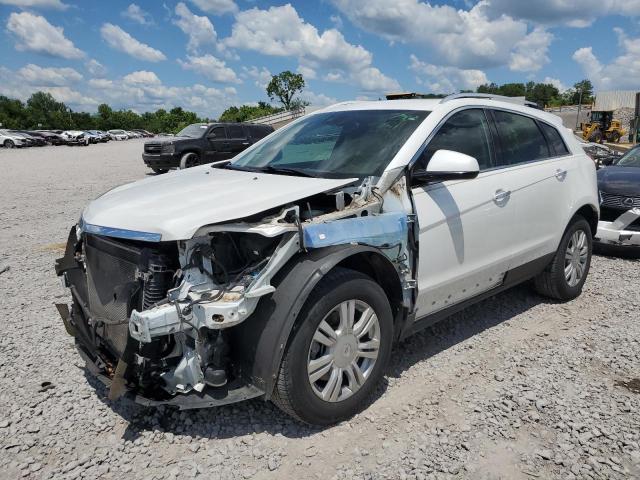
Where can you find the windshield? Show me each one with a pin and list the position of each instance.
(345, 144)
(193, 131)
(630, 159)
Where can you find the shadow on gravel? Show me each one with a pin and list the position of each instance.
(628, 253)
(255, 416)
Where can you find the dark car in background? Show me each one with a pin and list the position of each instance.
(202, 143)
(619, 190)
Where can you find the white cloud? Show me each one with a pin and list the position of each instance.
(462, 38)
(317, 99)
(216, 7)
(34, 33)
(623, 72)
(138, 15)
(556, 83)
(142, 77)
(95, 68)
(53, 4)
(120, 40)
(40, 76)
(279, 31)
(210, 67)
(446, 79)
(13, 85)
(553, 12)
(530, 53)
(261, 76)
(307, 72)
(199, 28)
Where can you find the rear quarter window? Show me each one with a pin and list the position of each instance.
(554, 138)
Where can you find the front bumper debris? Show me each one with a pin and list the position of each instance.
(617, 232)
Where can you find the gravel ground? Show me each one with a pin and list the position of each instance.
(515, 387)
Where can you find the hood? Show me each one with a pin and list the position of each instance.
(173, 139)
(620, 180)
(177, 204)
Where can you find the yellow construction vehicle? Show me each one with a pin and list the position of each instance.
(602, 127)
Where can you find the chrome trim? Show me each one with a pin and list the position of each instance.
(119, 232)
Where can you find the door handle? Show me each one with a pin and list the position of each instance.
(502, 196)
(561, 174)
(245, 143)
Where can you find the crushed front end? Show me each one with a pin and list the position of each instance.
(165, 321)
(146, 316)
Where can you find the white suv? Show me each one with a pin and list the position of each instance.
(290, 271)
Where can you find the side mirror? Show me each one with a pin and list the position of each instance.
(447, 165)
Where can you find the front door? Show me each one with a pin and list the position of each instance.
(466, 226)
(219, 147)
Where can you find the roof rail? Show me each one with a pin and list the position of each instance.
(490, 96)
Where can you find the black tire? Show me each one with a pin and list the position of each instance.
(188, 160)
(596, 137)
(293, 392)
(552, 282)
(159, 170)
(9, 144)
(614, 137)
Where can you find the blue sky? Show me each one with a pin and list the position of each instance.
(205, 55)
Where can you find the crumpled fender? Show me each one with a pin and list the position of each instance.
(260, 341)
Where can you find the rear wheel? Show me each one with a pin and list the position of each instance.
(189, 160)
(564, 277)
(9, 144)
(339, 351)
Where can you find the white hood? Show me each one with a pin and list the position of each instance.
(177, 204)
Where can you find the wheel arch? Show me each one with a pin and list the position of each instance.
(259, 343)
(590, 214)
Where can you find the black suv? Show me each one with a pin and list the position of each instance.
(201, 143)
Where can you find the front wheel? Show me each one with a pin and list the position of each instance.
(159, 170)
(564, 277)
(339, 351)
(189, 160)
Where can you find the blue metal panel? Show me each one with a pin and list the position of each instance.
(378, 230)
(119, 232)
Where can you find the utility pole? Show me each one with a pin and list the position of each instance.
(579, 108)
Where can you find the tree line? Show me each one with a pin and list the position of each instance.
(544, 94)
(43, 111)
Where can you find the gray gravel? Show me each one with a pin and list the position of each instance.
(515, 387)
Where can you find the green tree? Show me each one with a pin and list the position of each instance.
(284, 87)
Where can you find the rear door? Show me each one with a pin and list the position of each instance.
(537, 165)
(466, 226)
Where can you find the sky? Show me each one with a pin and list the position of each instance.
(205, 55)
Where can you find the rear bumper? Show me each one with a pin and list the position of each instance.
(163, 161)
(617, 232)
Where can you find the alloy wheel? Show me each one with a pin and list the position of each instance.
(576, 257)
(343, 351)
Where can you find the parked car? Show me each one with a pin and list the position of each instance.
(143, 133)
(37, 140)
(133, 134)
(9, 139)
(619, 189)
(201, 143)
(290, 271)
(117, 134)
(51, 137)
(76, 137)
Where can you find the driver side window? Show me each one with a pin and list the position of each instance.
(465, 132)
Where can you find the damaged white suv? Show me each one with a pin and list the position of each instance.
(289, 272)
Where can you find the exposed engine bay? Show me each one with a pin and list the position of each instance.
(158, 318)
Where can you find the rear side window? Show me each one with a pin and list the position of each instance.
(465, 132)
(556, 144)
(235, 131)
(259, 132)
(521, 139)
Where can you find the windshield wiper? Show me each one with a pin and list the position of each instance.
(285, 171)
